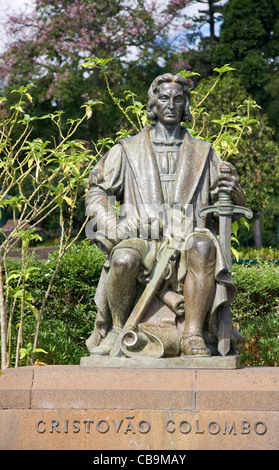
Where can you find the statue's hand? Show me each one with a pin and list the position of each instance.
(127, 228)
(135, 228)
(230, 183)
(113, 232)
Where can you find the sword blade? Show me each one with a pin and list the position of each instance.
(150, 290)
(224, 314)
(224, 330)
(225, 230)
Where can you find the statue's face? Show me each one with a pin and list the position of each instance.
(170, 103)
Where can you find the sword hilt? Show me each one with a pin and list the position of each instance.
(225, 198)
(225, 205)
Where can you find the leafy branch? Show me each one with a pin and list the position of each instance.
(36, 178)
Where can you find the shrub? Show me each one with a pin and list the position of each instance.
(255, 312)
(69, 314)
(264, 253)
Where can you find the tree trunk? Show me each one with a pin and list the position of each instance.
(258, 230)
(211, 20)
(3, 317)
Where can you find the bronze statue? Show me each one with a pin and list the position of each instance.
(165, 279)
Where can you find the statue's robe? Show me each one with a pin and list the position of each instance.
(129, 172)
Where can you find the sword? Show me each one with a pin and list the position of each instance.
(225, 209)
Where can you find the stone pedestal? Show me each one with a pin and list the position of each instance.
(82, 408)
(189, 362)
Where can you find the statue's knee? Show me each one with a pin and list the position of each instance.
(202, 250)
(125, 263)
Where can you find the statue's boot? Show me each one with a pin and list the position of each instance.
(107, 344)
(193, 345)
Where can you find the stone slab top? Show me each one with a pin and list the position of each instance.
(83, 388)
(76, 377)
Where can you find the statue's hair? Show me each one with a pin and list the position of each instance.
(153, 89)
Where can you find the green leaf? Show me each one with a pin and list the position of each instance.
(235, 228)
(69, 201)
(18, 293)
(187, 74)
(23, 89)
(14, 276)
(235, 253)
(23, 352)
(29, 97)
(96, 62)
(245, 223)
(106, 142)
(59, 200)
(17, 107)
(91, 103)
(224, 69)
(33, 309)
(234, 239)
(38, 350)
(88, 112)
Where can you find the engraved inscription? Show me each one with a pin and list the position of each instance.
(129, 425)
(214, 427)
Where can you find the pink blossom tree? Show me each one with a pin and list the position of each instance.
(50, 43)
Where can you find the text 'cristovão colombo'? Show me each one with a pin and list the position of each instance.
(130, 425)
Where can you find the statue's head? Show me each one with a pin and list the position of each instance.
(154, 90)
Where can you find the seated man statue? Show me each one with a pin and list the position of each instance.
(145, 195)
